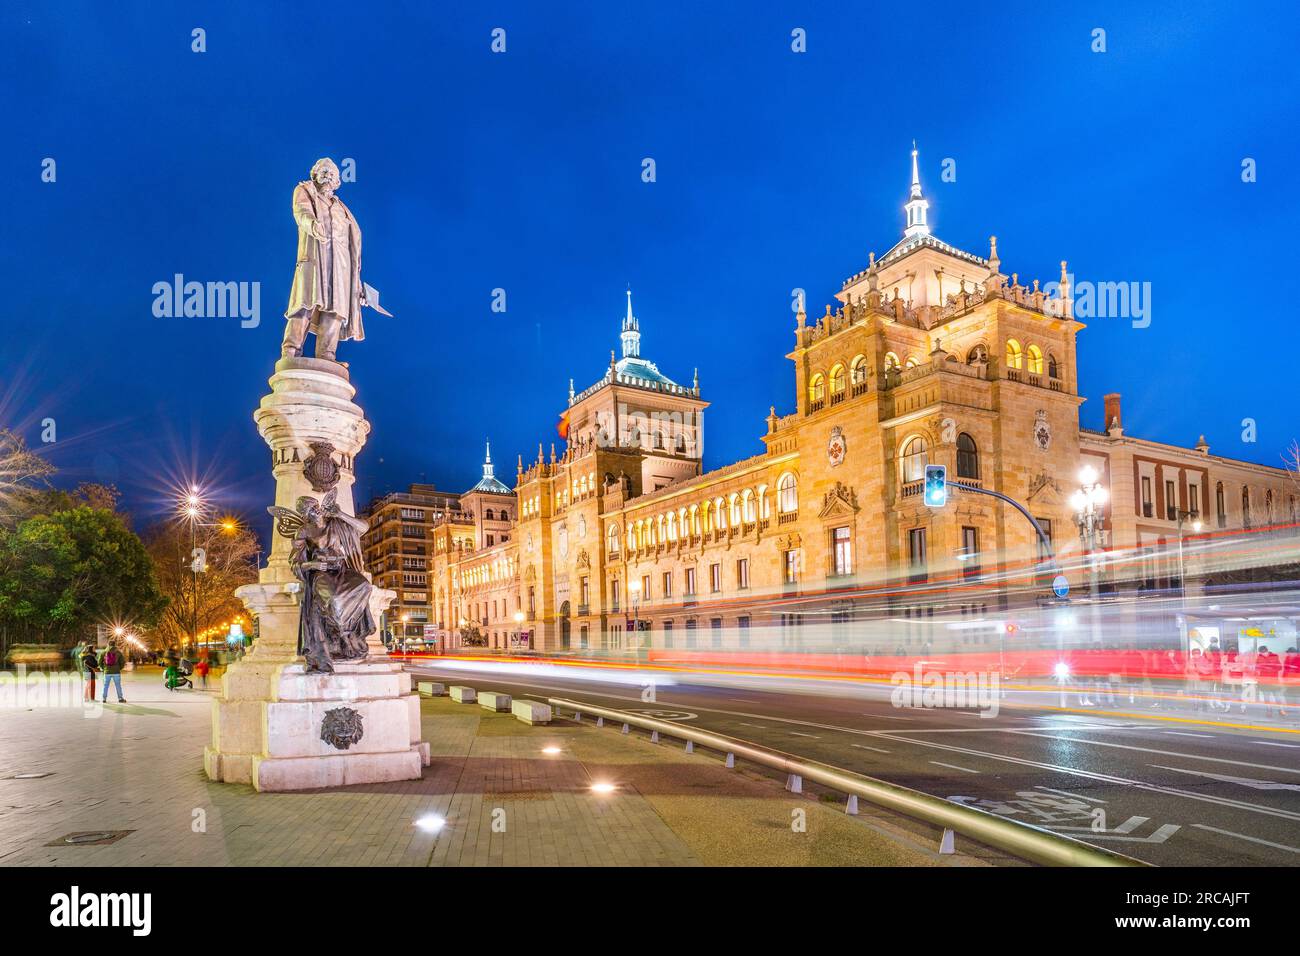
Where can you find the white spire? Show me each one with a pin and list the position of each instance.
(487, 462)
(917, 205)
(631, 335)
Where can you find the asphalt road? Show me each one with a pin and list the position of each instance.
(1173, 792)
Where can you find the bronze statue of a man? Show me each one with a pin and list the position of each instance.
(327, 294)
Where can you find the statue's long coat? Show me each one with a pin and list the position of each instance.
(318, 284)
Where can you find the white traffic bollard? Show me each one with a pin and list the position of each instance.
(690, 746)
(731, 761)
(654, 736)
(794, 783)
(600, 721)
(946, 844)
(625, 728)
(851, 808)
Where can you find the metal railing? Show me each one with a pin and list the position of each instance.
(1018, 839)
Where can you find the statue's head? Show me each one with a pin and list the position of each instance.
(310, 509)
(325, 174)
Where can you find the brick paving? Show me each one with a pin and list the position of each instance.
(139, 767)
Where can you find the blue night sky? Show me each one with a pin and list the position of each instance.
(522, 171)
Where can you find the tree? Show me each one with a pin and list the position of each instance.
(24, 479)
(228, 561)
(62, 573)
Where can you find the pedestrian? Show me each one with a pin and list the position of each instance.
(88, 668)
(201, 668)
(1268, 671)
(113, 661)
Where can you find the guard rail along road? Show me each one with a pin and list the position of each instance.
(1021, 840)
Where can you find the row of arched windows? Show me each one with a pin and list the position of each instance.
(1030, 359)
(916, 455)
(716, 514)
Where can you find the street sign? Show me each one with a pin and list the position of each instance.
(1060, 586)
(936, 485)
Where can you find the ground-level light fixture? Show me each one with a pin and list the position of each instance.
(551, 750)
(603, 788)
(431, 823)
(1062, 670)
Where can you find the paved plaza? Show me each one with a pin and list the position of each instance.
(138, 767)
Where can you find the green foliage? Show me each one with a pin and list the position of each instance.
(62, 573)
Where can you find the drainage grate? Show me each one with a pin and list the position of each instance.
(90, 838)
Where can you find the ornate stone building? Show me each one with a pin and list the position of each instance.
(931, 355)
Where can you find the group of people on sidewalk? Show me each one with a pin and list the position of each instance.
(111, 660)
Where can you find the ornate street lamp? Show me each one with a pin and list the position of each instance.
(1088, 503)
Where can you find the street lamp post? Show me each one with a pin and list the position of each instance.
(1182, 579)
(519, 627)
(633, 603)
(1088, 503)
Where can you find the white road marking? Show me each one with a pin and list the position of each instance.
(887, 717)
(879, 750)
(1274, 743)
(1067, 793)
(1164, 753)
(755, 726)
(812, 736)
(1242, 836)
(1128, 826)
(953, 766)
(1183, 733)
(1160, 836)
(1244, 781)
(745, 700)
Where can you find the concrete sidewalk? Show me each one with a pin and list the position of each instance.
(138, 768)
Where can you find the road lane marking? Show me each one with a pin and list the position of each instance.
(812, 736)
(1244, 781)
(746, 700)
(879, 750)
(1163, 753)
(755, 726)
(953, 766)
(1067, 793)
(1242, 836)
(887, 717)
(1092, 775)
(1183, 733)
(1274, 743)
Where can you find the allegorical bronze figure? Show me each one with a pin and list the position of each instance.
(335, 618)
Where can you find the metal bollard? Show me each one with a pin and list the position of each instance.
(851, 808)
(946, 843)
(794, 783)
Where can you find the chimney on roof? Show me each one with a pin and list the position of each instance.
(1114, 423)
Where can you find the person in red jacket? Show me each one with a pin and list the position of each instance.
(201, 668)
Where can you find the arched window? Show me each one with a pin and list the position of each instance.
(837, 380)
(707, 510)
(613, 539)
(891, 361)
(979, 353)
(1053, 370)
(858, 370)
(1245, 506)
(1015, 357)
(787, 494)
(735, 510)
(747, 505)
(720, 514)
(968, 457)
(488, 514)
(911, 362)
(817, 388)
(914, 459)
(1035, 360)
(1268, 506)
(672, 526)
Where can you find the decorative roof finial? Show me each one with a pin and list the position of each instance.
(487, 461)
(917, 205)
(631, 335)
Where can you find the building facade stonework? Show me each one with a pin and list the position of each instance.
(931, 355)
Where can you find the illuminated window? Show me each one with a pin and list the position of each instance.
(837, 380)
(1015, 357)
(1035, 360)
(787, 494)
(747, 505)
(891, 361)
(613, 539)
(858, 372)
(816, 388)
(914, 459)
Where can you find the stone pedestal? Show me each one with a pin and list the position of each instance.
(273, 725)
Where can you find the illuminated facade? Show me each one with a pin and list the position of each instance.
(931, 356)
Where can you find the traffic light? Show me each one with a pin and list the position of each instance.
(936, 485)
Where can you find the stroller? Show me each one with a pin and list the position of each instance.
(177, 675)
